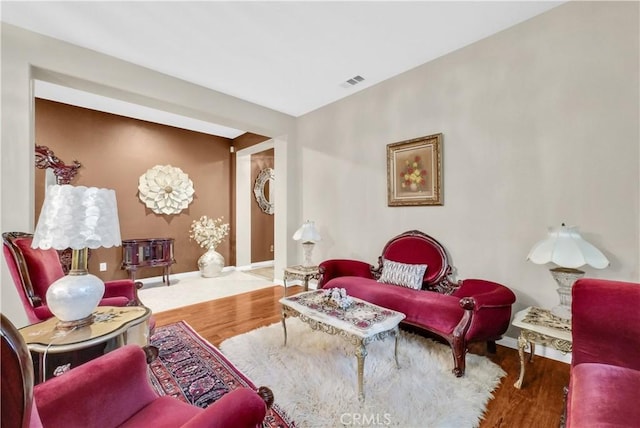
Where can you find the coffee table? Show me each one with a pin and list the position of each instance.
(360, 324)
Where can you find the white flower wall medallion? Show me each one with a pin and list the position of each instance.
(165, 189)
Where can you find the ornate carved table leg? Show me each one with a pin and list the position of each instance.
(532, 350)
(522, 343)
(361, 353)
(396, 334)
(284, 280)
(284, 326)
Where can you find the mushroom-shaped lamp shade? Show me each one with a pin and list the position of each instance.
(309, 235)
(568, 250)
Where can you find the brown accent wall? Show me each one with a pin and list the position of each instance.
(115, 151)
(262, 224)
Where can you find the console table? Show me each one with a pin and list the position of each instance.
(148, 252)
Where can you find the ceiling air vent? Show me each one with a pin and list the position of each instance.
(352, 82)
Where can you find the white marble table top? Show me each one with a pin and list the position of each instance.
(361, 319)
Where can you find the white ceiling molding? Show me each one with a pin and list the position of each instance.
(75, 97)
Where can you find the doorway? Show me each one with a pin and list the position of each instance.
(251, 222)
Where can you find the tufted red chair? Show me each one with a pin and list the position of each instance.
(34, 270)
(111, 391)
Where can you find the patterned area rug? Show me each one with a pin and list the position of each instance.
(193, 370)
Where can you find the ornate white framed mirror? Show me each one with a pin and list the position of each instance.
(263, 190)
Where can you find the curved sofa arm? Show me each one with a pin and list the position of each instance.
(485, 293)
(119, 378)
(240, 408)
(121, 288)
(489, 306)
(335, 268)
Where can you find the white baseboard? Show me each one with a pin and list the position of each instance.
(541, 350)
(268, 263)
(180, 275)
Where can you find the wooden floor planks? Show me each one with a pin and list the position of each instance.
(538, 404)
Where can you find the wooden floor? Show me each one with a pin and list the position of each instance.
(538, 404)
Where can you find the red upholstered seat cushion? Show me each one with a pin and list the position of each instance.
(441, 313)
(43, 265)
(164, 411)
(610, 392)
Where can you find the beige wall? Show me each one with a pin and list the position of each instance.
(115, 151)
(540, 126)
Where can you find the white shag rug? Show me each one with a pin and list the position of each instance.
(314, 379)
(192, 288)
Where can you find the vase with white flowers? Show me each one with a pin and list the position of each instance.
(209, 233)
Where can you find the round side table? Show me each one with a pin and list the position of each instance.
(128, 324)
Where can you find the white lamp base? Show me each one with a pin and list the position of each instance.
(565, 277)
(307, 248)
(561, 311)
(73, 298)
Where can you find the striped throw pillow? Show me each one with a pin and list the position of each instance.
(403, 274)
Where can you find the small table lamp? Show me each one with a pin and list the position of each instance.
(78, 218)
(566, 248)
(309, 235)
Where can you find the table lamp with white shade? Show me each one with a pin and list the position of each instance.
(568, 250)
(79, 218)
(309, 235)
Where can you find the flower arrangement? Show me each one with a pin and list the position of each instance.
(338, 297)
(413, 177)
(208, 232)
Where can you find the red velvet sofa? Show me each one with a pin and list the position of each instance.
(605, 361)
(472, 310)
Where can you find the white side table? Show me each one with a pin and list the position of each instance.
(538, 325)
(303, 273)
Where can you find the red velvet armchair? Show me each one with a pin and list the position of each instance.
(471, 310)
(110, 391)
(34, 270)
(605, 360)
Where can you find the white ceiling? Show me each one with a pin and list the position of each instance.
(293, 57)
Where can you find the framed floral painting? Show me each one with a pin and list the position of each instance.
(414, 172)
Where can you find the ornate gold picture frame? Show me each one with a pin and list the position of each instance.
(414, 172)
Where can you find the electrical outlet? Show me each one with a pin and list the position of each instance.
(103, 267)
